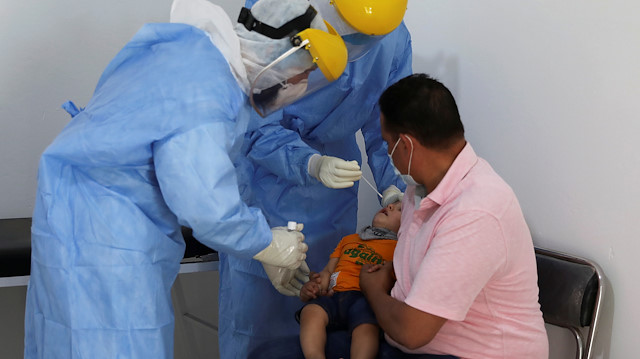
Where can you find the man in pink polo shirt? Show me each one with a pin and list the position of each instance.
(465, 265)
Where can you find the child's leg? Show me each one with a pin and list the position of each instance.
(364, 341)
(313, 335)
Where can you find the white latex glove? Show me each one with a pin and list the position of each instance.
(390, 195)
(334, 172)
(286, 248)
(288, 281)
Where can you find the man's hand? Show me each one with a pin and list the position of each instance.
(406, 325)
(376, 278)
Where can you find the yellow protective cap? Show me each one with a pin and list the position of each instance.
(327, 50)
(372, 17)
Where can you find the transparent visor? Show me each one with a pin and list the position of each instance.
(358, 44)
(267, 98)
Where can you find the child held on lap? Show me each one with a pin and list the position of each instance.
(333, 295)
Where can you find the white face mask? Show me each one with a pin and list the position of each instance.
(406, 178)
(288, 94)
(395, 169)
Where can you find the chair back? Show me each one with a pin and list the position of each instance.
(571, 290)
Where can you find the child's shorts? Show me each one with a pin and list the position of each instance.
(346, 310)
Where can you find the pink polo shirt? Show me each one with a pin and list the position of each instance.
(465, 254)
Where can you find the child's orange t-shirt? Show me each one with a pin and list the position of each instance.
(353, 253)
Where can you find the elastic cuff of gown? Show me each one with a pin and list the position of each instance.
(313, 165)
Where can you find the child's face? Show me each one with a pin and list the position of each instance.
(389, 217)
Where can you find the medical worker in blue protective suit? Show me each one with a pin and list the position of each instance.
(154, 149)
(294, 155)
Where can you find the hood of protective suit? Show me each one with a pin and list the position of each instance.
(258, 50)
(214, 21)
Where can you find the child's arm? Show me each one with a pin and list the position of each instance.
(325, 275)
(311, 289)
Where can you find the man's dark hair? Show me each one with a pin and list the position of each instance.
(424, 108)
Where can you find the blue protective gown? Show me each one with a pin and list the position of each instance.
(152, 150)
(326, 123)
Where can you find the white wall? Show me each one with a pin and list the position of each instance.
(54, 51)
(548, 91)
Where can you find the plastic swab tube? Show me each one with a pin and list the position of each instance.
(370, 185)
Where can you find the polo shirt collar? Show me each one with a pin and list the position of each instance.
(463, 163)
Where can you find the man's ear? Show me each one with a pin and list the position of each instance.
(407, 140)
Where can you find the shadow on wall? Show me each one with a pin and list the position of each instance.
(443, 68)
(602, 343)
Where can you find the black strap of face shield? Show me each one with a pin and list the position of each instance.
(296, 25)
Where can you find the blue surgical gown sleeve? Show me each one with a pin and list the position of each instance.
(199, 184)
(280, 150)
(376, 147)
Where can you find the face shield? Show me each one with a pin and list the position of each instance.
(315, 57)
(361, 23)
